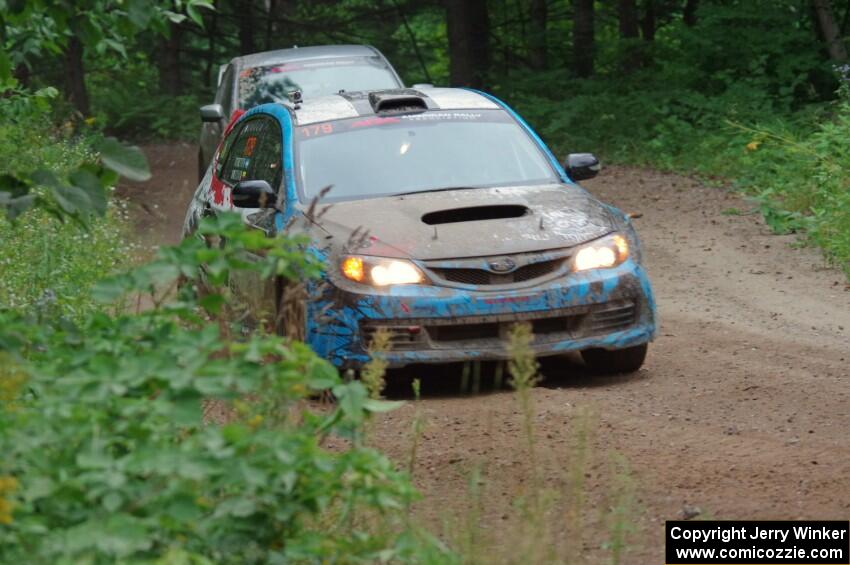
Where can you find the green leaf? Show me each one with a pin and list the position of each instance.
(374, 405)
(90, 184)
(16, 206)
(73, 200)
(38, 487)
(195, 15)
(212, 303)
(125, 160)
(187, 411)
(352, 397)
(112, 501)
(139, 13)
(239, 507)
(109, 290)
(116, 46)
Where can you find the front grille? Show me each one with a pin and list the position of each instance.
(464, 332)
(401, 337)
(483, 277)
(492, 330)
(611, 318)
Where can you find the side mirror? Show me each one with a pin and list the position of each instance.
(253, 194)
(212, 113)
(582, 166)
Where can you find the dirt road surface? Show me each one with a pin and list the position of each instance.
(742, 410)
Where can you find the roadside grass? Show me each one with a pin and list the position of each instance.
(47, 265)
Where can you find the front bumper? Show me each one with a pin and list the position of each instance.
(607, 308)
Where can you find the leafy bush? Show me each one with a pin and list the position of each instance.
(106, 456)
(47, 263)
(50, 266)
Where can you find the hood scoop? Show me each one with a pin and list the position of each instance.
(475, 213)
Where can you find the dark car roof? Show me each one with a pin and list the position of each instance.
(357, 104)
(305, 53)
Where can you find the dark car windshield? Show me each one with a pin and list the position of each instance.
(374, 156)
(260, 85)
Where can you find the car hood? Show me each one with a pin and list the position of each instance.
(468, 222)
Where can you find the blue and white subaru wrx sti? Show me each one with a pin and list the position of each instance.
(448, 221)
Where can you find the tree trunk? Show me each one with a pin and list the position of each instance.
(627, 13)
(75, 76)
(211, 75)
(647, 24)
(170, 69)
(689, 14)
(246, 26)
(270, 26)
(537, 46)
(22, 75)
(469, 42)
(829, 30)
(583, 37)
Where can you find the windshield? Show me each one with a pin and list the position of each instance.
(260, 85)
(374, 156)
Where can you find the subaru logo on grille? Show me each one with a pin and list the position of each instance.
(502, 265)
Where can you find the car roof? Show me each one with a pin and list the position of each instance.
(359, 104)
(305, 53)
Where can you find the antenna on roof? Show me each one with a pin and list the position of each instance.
(296, 97)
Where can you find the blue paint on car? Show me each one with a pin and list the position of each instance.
(338, 311)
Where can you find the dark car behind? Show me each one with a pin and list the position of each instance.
(271, 76)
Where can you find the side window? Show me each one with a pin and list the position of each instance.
(255, 154)
(224, 153)
(267, 165)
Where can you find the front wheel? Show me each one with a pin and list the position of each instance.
(612, 361)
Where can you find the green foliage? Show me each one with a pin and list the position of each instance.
(127, 102)
(48, 266)
(753, 109)
(65, 178)
(111, 458)
(35, 28)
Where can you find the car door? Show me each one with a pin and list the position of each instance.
(251, 152)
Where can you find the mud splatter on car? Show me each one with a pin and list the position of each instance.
(447, 221)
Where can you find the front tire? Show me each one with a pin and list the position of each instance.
(613, 361)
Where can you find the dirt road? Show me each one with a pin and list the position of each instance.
(742, 410)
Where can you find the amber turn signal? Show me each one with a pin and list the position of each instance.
(352, 268)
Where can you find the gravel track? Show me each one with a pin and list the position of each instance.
(742, 410)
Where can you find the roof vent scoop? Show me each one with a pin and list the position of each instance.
(397, 102)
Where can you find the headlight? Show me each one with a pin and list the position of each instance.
(380, 271)
(607, 252)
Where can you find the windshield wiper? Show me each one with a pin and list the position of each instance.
(444, 189)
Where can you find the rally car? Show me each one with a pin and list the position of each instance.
(448, 220)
